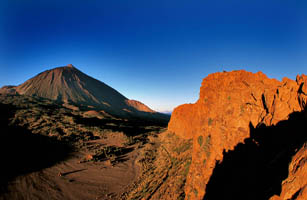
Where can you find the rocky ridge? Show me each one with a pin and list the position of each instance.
(230, 107)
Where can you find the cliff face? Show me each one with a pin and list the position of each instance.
(230, 106)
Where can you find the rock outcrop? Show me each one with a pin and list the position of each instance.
(139, 106)
(230, 106)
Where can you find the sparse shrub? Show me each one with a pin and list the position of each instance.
(210, 121)
(181, 197)
(108, 152)
(186, 168)
(195, 192)
(208, 140)
(242, 109)
(207, 145)
(174, 161)
(200, 140)
(130, 140)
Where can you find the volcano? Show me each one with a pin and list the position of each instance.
(69, 85)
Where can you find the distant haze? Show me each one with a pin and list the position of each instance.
(157, 52)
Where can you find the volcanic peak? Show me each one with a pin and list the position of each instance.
(69, 85)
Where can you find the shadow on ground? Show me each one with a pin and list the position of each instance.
(23, 152)
(256, 169)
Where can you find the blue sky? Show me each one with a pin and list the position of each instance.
(157, 52)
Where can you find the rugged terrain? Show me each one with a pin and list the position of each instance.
(249, 137)
(244, 138)
(49, 151)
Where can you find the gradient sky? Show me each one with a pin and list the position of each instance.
(156, 51)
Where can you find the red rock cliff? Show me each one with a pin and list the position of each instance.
(228, 105)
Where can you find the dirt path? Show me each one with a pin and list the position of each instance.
(85, 180)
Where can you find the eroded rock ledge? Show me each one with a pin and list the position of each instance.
(230, 106)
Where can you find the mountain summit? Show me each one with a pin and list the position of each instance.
(69, 85)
